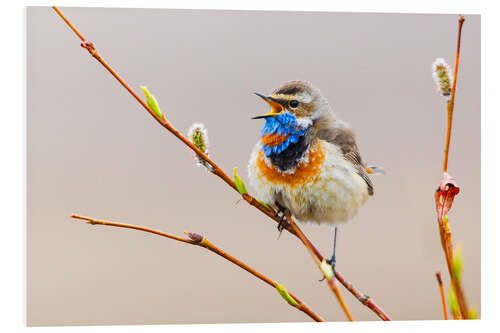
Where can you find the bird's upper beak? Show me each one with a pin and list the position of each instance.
(276, 108)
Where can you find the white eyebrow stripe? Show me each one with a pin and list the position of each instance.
(304, 98)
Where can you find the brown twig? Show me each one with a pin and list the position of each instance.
(333, 286)
(451, 104)
(198, 240)
(448, 189)
(444, 198)
(441, 291)
(363, 298)
(314, 255)
(318, 258)
(217, 170)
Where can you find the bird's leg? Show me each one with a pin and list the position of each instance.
(333, 260)
(283, 221)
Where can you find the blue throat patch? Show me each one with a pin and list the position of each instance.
(282, 124)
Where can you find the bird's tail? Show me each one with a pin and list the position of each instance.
(375, 170)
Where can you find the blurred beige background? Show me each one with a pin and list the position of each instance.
(93, 150)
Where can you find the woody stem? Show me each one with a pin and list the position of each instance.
(195, 239)
(451, 104)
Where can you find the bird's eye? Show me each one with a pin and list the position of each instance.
(294, 104)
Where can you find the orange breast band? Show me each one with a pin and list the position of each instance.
(304, 172)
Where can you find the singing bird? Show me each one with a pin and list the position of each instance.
(307, 160)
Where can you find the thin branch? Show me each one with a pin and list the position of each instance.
(318, 258)
(329, 281)
(218, 171)
(363, 298)
(333, 286)
(441, 291)
(451, 104)
(448, 189)
(198, 240)
(91, 49)
(444, 198)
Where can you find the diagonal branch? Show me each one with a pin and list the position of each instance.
(318, 258)
(329, 280)
(198, 240)
(365, 300)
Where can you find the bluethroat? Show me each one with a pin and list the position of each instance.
(307, 160)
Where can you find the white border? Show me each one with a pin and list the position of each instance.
(13, 133)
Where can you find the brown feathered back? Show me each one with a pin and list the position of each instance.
(338, 133)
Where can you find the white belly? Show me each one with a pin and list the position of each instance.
(332, 195)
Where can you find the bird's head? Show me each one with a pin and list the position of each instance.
(295, 107)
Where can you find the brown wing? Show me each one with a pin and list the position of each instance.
(337, 132)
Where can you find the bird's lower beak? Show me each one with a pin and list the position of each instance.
(276, 108)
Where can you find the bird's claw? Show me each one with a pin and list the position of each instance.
(283, 223)
(332, 262)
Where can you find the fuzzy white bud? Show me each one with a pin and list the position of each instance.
(443, 77)
(198, 135)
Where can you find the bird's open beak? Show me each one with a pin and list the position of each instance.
(276, 108)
